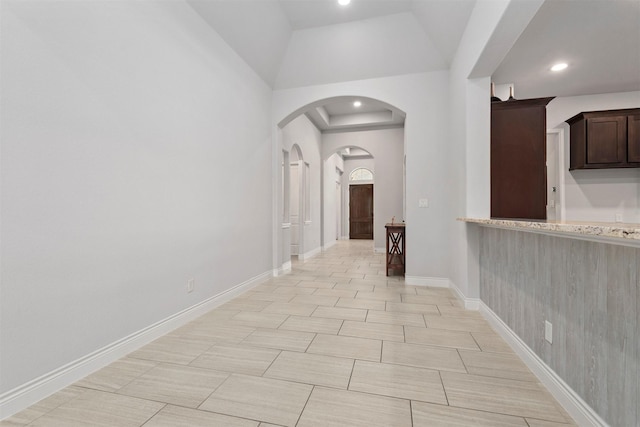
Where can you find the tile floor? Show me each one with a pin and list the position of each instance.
(333, 343)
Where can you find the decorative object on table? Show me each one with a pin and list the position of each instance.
(511, 98)
(494, 98)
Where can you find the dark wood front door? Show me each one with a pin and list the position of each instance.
(361, 211)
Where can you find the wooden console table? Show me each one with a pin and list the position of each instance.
(395, 247)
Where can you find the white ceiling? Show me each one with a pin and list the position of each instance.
(599, 39)
(340, 115)
(353, 153)
(294, 43)
(376, 47)
(317, 13)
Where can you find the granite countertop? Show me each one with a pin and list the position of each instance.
(613, 230)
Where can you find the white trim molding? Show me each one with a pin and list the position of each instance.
(21, 397)
(284, 268)
(443, 282)
(581, 412)
(469, 303)
(329, 245)
(307, 255)
(434, 282)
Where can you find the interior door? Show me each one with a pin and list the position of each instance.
(361, 211)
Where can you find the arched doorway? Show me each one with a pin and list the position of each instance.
(379, 129)
(352, 207)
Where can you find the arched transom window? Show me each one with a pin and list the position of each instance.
(361, 174)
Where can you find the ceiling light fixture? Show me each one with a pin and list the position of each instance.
(357, 104)
(559, 66)
(344, 2)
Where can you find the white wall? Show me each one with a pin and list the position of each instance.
(136, 154)
(424, 97)
(596, 195)
(386, 147)
(303, 133)
(332, 166)
(492, 29)
(469, 155)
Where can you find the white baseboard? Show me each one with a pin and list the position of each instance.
(469, 303)
(284, 268)
(310, 254)
(329, 245)
(434, 282)
(581, 412)
(21, 397)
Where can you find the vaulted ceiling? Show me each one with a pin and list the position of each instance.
(294, 43)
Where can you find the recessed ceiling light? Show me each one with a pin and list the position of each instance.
(357, 104)
(344, 2)
(559, 66)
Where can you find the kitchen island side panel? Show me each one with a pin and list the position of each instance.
(589, 291)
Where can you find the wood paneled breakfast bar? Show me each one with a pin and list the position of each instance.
(582, 278)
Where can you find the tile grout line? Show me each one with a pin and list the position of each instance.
(157, 412)
(305, 404)
(353, 368)
(411, 411)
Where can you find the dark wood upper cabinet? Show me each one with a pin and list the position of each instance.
(518, 159)
(605, 139)
(633, 138)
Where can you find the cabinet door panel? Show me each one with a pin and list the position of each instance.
(606, 140)
(518, 157)
(633, 138)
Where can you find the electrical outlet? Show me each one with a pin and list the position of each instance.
(191, 285)
(423, 203)
(548, 331)
(618, 217)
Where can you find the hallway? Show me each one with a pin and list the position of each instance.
(333, 343)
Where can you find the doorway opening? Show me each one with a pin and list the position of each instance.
(555, 175)
(361, 211)
(371, 137)
(297, 200)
